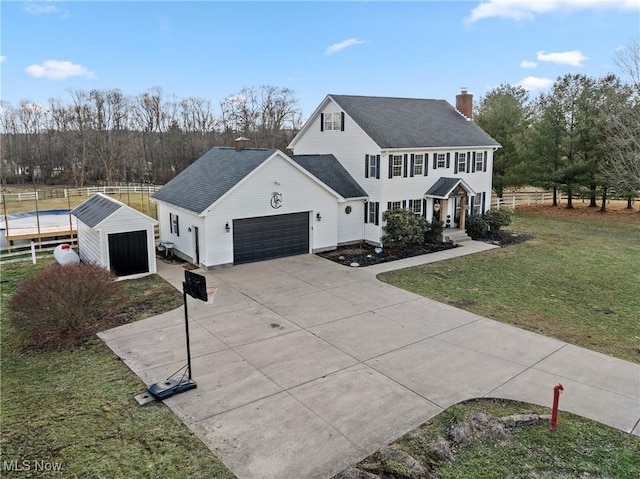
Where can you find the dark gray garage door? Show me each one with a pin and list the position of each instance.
(128, 253)
(266, 237)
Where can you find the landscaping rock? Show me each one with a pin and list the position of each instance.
(353, 473)
(460, 433)
(441, 449)
(516, 420)
(401, 464)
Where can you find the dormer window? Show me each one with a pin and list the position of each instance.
(332, 121)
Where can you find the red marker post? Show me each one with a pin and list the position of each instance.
(554, 412)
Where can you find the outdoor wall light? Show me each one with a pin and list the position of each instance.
(318, 217)
(227, 227)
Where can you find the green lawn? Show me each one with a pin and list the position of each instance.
(577, 280)
(76, 407)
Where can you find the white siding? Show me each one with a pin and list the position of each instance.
(350, 226)
(185, 242)
(252, 199)
(89, 244)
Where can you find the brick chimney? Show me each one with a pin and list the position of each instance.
(464, 103)
(239, 142)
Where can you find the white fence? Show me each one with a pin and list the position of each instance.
(70, 192)
(522, 198)
(33, 251)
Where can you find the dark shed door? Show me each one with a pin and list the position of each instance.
(128, 253)
(266, 237)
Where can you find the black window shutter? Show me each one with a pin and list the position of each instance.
(424, 208)
(404, 204)
(473, 163)
(321, 121)
(404, 165)
(448, 160)
(410, 204)
(389, 205)
(366, 166)
(455, 163)
(377, 167)
(177, 226)
(484, 165)
(366, 212)
(377, 206)
(341, 121)
(484, 196)
(390, 166)
(413, 163)
(471, 206)
(468, 161)
(425, 164)
(435, 161)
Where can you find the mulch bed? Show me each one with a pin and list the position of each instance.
(364, 254)
(507, 238)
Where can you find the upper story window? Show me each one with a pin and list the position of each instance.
(479, 160)
(418, 165)
(372, 166)
(397, 165)
(441, 160)
(332, 121)
(462, 162)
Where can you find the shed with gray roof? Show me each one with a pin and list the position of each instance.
(115, 236)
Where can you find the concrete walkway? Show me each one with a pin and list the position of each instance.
(304, 367)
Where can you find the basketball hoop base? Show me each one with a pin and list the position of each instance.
(170, 387)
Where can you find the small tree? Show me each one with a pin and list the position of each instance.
(64, 304)
(403, 229)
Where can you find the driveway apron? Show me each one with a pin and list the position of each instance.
(304, 367)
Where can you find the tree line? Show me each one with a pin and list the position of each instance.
(582, 137)
(107, 136)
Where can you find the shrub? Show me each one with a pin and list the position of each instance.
(433, 230)
(403, 229)
(498, 218)
(64, 304)
(477, 227)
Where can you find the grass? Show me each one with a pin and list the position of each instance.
(579, 448)
(576, 281)
(76, 407)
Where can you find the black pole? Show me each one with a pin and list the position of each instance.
(186, 327)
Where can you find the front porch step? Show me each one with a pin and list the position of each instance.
(454, 235)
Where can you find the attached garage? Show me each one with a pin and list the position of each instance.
(115, 236)
(268, 237)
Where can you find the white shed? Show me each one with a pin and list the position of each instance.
(115, 236)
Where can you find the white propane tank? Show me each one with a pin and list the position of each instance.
(65, 255)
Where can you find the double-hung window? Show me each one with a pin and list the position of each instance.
(373, 167)
(418, 165)
(397, 165)
(479, 160)
(396, 205)
(441, 160)
(332, 121)
(477, 204)
(174, 224)
(416, 207)
(462, 162)
(372, 216)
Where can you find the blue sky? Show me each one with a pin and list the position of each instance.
(426, 49)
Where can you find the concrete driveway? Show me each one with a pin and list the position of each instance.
(304, 367)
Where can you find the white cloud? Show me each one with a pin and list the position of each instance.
(535, 83)
(336, 47)
(40, 7)
(528, 64)
(58, 70)
(574, 57)
(528, 9)
(3, 59)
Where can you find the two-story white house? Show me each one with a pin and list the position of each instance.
(355, 158)
(424, 155)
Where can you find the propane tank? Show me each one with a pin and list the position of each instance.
(63, 254)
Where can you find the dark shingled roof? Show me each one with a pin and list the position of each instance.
(211, 176)
(412, 122)
(95, 209)
(443, 187)
(329, 170)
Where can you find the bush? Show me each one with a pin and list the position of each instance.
(433, 231)
(477, 227)
(63, 304)
(498, 218)
(403, 229)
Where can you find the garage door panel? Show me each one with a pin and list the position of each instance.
(128, 253)
(267, 237)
